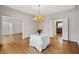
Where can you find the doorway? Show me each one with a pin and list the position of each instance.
(59, 28)
(11, 30)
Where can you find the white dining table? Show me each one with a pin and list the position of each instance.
(40, 42)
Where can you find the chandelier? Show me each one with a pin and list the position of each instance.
(39, 17)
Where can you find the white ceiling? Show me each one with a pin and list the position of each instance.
(44, 9)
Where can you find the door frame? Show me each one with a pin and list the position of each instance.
(50, 25)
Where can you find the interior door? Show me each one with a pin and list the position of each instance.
(65, 27)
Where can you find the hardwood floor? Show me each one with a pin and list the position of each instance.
(14, 44)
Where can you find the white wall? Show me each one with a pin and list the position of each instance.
(17, 27)
(71, 14)
(54, 27)
(51, 25)
(0, 30)
(77, 23)
(28, 25)
(65, 29)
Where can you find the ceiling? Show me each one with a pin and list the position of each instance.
(44, 9)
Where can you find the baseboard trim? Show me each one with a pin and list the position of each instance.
(12, 34)
(71, 41)
(27, 38)
(16, 33)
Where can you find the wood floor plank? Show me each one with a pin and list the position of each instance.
(14, 44)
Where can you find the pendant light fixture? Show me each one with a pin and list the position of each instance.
(39, 17)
